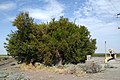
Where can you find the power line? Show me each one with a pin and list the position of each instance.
(118, 14)
(113, 6)
(118, 17)
(115, 10)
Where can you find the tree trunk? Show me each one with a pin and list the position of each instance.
(59, 58)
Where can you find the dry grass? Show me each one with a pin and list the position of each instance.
(54, 69)
(27, 67)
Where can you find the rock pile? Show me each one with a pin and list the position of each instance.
(12, 76)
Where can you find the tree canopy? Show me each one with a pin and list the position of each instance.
(51, 43)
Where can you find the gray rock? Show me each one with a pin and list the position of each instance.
(17, 76)
(71, 68)
(112, 64)
(12, 76)
(12, 64)
(102, 67)
(3, 74)
(92, 67)
(38, 64)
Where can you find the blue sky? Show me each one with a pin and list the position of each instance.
(99, 16)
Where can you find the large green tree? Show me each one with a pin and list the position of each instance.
(56, 42)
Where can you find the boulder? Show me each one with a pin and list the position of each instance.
(112, 64)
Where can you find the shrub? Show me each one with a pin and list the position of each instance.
(58, 41)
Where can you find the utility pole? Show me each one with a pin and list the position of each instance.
(118, 27)
(118, 17)
(118, 14)
(105, 50)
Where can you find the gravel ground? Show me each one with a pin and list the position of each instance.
(11, 71)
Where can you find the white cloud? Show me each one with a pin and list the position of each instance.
(97, 14)
(100, 18)
(11, 19)
(7, 6)
(51, 9)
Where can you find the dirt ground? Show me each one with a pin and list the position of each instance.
(10, 67)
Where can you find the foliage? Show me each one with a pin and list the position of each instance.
(103, 54)
(118, 55)
(3, 57)
(99, 55)
(58, 41)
